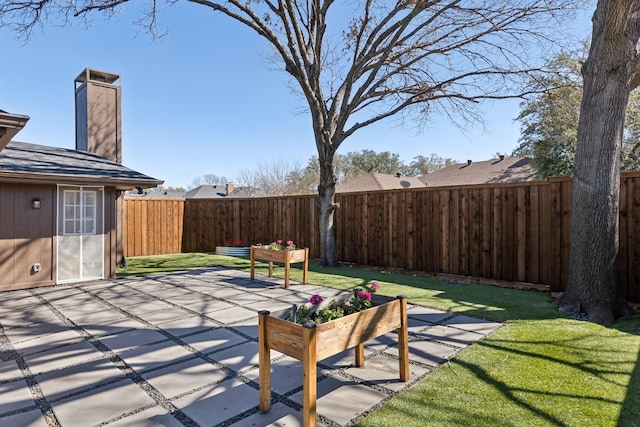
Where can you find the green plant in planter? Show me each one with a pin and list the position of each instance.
(336, 309)
(279, 245)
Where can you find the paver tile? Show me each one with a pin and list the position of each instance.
(154, 355)
(30, 316)
(240, 357)
(286, 375)
(15, 395)
(232, 314)
(61, 357)
(82, 319)
(155, 317)
(33, 331)
(214, 340)
(25, 419)
(278, 416)
(111, 327)
(9, 370)
(131, 339)
(247, 327)
(187, 326)
(152, 417)
(58, 384)
(427, 352)
(452, 336)
(183, 377)
(219, 403)
(341, 400)
(473, 324)
(102, 404)
(384, 371)
(48, 341)
(427, 314)
(207, 306)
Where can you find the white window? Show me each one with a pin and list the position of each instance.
(80, 208)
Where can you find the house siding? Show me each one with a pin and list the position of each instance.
(28, 236)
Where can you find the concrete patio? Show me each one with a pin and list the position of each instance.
(181, 349)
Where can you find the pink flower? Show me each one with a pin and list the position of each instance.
(279, 241)
(289, 242)
(315, 299)
(365, 295)
(374, 287)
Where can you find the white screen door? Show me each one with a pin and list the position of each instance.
(80, 234)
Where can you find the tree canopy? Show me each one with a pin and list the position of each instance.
(549, 120)
(281, 178)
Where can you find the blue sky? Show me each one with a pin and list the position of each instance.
(205, 99)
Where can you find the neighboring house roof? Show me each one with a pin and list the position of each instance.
(23, 162)
(246, 192)
(378, 181)
(157, 193)
(507, 169)
(220, 191)
(207, 192)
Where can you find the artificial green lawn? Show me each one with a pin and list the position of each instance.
(540, 369)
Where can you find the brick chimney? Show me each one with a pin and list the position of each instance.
(230, 187)
(98, 114)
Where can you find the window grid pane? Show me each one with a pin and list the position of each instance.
(79, 212)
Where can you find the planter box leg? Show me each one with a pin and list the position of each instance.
(309, 373)
(360, 355)
(264, 361)
(305, 266)
(403, 340)
(287, 268)
(253, 262)
(270, 268)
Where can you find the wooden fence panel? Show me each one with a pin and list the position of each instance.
(153, 226)
(515, 232)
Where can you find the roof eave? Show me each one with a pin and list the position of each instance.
(10, 125)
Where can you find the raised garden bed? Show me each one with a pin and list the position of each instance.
(233, 250)
(286, 257)
(311, 343)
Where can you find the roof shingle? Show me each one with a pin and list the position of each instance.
(39, 163)
(508, 169)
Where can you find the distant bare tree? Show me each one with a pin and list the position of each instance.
(277, 178)
(362, 61)
(249, 181)
(208, 179)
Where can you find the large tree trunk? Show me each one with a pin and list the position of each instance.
(593, 284)
(326, 209)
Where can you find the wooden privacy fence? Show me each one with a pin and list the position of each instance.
(514, 232)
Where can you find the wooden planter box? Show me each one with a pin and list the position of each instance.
(312, 343)
(233, 251)
(284, 257)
